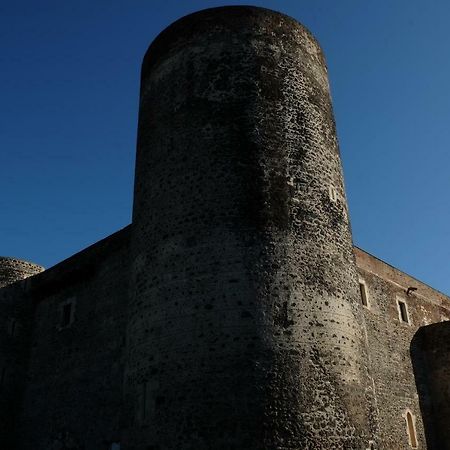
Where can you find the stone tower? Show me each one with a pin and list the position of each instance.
(12, 270)
(245, 329)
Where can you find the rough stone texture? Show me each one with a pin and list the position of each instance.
(73, 398)
(15, 323)
(12, 270)
(227, 316)
(389, 341)
(430, 352)
(14, 309)
(246, 332)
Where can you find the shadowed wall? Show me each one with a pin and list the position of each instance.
(430, 352)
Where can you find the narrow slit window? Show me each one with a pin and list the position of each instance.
(144, 401)
(66, 314)
(332, 193)
(411, 430)
(403, 311)
(12, 327)
(363, 293)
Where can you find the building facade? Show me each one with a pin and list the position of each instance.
(234, 312)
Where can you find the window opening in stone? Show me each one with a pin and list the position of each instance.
(411, 430)
(333, 193)
(371, 445)
(12, 327)
(363, 293)
(66, 314)
(144, 400)
(403, 311)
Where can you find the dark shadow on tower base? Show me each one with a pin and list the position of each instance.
(430, 356)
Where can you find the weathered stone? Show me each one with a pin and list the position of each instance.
(248, 325)
(12, 270)
(228, 314)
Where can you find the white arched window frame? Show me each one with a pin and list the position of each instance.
(410, 420)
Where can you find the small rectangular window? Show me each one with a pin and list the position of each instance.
(143, 403)
(67, 313)
(12, 327)
(403, 311)
(332, 193)
(363, 293)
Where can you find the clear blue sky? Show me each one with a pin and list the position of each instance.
(69, 84)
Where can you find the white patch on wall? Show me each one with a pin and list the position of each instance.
(364, 293)
(332, 192)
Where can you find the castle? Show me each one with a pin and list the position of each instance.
(234, 312)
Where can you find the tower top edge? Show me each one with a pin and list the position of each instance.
(201, 21)
(9, 260)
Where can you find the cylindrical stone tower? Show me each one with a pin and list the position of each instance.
(12, 270)
(245, 323)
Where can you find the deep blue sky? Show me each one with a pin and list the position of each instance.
(69, 83)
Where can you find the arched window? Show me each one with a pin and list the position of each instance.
(411, 428)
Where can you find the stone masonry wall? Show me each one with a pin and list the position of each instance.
(15, 325)
(74, 391)
(227, 316)
(73, 398)
(389, 341)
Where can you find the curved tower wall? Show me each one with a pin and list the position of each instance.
(15, 324)
(245, 323)
(12, 270)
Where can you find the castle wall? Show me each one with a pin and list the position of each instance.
(228, 315)
(15, 326)
(73, 398)
(389, 342)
